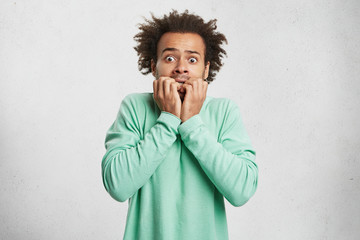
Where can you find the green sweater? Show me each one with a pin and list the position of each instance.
(177, 175)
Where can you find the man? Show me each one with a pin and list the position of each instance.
(176, 153)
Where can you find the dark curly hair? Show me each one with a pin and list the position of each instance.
(152, 30)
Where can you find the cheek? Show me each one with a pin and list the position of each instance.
(161, 68)
(199, 70)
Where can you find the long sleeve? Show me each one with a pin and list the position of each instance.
(227, 159)
(132, 155)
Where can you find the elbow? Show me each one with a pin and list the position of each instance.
(244, 192)
(113, 183)
(117, 194)
(116, 190)
(240, 199)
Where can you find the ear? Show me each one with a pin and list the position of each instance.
(206, 71)
(153, 67)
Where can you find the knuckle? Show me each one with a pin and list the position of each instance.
(161, 79)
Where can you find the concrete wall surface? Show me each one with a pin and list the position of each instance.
(293, 68)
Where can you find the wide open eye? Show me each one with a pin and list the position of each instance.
(192, 60)
(170, 59)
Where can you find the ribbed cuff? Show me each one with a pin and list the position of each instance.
(169, 120)
(190, 125)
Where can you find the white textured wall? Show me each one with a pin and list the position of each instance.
(293, 67)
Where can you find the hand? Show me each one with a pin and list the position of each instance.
(195, 94)
(166, 95)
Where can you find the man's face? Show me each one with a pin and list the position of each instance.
(180, 56)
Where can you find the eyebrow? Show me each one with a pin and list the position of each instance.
(177, 50)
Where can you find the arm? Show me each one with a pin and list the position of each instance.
(229, 160)
(132, 156)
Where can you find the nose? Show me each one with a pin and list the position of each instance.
(181, 67)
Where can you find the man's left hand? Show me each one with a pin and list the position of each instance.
(195, 94)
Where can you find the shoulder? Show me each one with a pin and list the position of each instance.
(219, 104)
(138, 97)
(222, 109)
(138, 100)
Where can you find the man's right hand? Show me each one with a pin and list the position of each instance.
(166, 95)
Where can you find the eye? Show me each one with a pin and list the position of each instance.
(170, 59)
(192, 60)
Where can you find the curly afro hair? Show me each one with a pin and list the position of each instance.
(152, 30)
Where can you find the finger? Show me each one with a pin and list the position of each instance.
(188, 91)
(160, 91)
(165, 78)
(200, 87)
(205, 86)
(187, 87)
(189, 81)
(166, 86)
(155, 88)
(174, 86)
(196, 83)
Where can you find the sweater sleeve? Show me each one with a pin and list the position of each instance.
(132, 156)
(229, 160)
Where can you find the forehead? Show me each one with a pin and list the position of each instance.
(182, 42)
